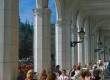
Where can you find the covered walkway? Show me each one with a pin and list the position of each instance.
(90, 16)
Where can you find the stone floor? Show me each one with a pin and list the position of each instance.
(106, 78)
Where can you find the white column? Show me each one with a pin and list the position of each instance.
(92, 48)
(63, 48)
(83, 55)
(41, 39)
(79, 51)
(60, 44)
(68, 57)
(87, 50)
(74, 49)
(9, 39)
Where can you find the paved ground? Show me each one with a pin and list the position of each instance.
(106, 78)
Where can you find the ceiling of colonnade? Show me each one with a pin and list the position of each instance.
(98, 10)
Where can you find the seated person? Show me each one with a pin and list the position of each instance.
(88, 75)
(77, 74)
(96, 75)
(82, 75)
(43, 75)
(63, 76)
(72, 71)
(94, 66)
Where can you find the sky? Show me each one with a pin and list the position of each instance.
(26, 10)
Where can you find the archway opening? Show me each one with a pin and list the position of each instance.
(26, 21)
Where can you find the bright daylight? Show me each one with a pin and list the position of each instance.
(55, 39)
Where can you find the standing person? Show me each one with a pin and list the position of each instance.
(43, 75)
(72, 71)
(63, 76)
(57, 70)
(100, 62)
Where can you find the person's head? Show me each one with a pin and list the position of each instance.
(87, 73)
(74, 67)
(30, 71)
(43, 72)
(78, 67)
(82, 74)
(30, 74)
(63, 71)
(58, 67)
(51, 76)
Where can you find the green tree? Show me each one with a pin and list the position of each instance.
(25, 39)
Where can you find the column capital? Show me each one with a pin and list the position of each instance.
(63, 21)
(59, 22)
(38, 11)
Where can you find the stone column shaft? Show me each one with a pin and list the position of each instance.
(9, 39)
(41, 39)
(79, 52)
(63, 51)
(68, 57)
(74, 49)
(60, 44)
(92, 49)
(83, 55)
(87, 49)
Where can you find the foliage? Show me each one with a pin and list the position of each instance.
(25, 39)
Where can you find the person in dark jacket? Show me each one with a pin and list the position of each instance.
(72, 71)
(57, 70)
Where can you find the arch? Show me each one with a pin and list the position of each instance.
(74, 18)
(99, 23)
(58, 9)
(84, 20)
(80, 21)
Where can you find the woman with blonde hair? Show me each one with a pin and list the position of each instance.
(43, 75)
(29, 75)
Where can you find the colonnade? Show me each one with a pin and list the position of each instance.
(66, 31)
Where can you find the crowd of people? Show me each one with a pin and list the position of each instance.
(76, 73)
